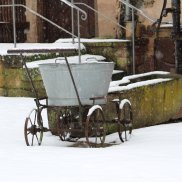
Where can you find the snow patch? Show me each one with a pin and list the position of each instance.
(123, 102)
(138, 84)
(36, 46)
(93, 108)
(115, 85)
(91, 40)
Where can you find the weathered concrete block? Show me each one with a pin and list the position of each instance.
(3, 92)
(12, 78)
(1, 81)
(152, 104)
(117, 52)
(1, 74)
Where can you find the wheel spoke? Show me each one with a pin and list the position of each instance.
(125, 135)
(35, 118)
(32, 139)
(30, 121)
(37, 139)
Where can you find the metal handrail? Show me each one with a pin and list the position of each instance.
(103, 15)
(132, 31)
(72, 5)
(133, 27)
(138, 10)
(111, 20)
(14, 23)
(84, 16)
(40, 16)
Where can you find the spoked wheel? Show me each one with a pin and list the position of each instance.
(33, 128)
(64, 125)
(95, 128)
(125, 123)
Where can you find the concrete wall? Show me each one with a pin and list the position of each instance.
(147, 110)
(147, 31)
(104, 28)
(14, 81)
(110, 9)
(32, 33)
(153, 10)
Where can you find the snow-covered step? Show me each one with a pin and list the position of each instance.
(39, 46)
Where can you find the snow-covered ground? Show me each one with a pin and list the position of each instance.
(153, 154)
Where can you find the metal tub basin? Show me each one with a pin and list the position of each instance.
(91, 79)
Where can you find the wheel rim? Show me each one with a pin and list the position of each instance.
(125, 122)
(95, 129)
(64, 125)
(33, 129)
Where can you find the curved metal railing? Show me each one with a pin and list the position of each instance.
(111, 20)
(40, 16)
(138, 10)
(133, 26)
(83, 17)
(72, 5)
(103, 15)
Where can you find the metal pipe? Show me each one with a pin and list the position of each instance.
(133, 40)
(79, 44)
(76, 90)
(176, 17)
(72, 22)
(126, 2)
(14, 22)
(103, 15)
(127, 11)
(140, 11)
(30, 78)
(176, 5)
(73, 81)
(84, 17)
(40, 16)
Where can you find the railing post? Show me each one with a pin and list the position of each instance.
(14, 23)
(79, 46)
(127, 12)
(72, 22)
(133, 40)
(176, 34)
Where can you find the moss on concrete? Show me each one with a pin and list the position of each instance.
(117, 52)
(16, 83)
(152, 104)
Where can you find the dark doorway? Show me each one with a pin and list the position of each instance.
(6, 22)
(60, 13)
(164, 56)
